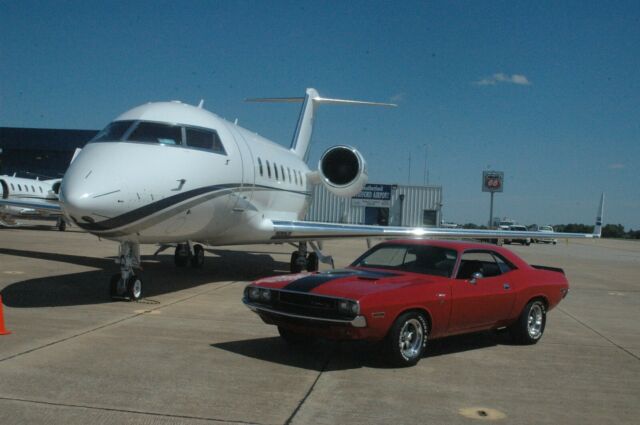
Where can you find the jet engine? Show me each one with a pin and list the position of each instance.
(343, 171)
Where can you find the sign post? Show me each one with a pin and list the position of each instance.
(492, 182)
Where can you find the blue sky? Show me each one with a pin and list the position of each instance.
(547, 92)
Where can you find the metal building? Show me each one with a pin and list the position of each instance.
(380, 204)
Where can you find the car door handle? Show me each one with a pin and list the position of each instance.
(506, 286)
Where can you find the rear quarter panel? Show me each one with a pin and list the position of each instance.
(539, 284)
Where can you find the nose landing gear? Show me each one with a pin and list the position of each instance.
(126, 284)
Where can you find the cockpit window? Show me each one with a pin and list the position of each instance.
(204, 139)
(113, 131)
(151, 132)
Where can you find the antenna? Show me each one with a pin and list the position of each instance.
(201, 104)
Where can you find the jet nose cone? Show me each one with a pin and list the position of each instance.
(74, 199)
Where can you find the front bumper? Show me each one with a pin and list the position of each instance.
(357, 322)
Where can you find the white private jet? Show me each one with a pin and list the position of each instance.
(170, 173)
(22, 198)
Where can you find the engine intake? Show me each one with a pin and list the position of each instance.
(343, 171)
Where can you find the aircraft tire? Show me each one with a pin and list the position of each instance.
(113, 286)
(197, 261)
(295, 265)
(181, 256)
(312, 262)
(134, 288)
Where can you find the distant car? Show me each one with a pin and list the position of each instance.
(405, 292)
(518, 228)
(545, 229)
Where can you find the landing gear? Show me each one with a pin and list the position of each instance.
(61, 224)
(126, 285)
(185, 255)
(301, 260)
(197, 260)
(182, 254)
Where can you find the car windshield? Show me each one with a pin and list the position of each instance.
(424, 259)
(546, 228)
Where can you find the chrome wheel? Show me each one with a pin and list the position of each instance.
(411, 339)
(534, 321)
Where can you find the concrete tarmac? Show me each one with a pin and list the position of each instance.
(191, 353)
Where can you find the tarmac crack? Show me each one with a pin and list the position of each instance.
(124, 319)
(138, 412)
(600, 334)
(309, 391)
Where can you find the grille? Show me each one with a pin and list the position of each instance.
(308, 305)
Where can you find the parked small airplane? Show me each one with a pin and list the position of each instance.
(171, 173)
(23, 198)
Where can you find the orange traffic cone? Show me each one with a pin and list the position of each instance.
(3, 331)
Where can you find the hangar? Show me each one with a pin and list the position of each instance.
(43, 152)
(380, 204)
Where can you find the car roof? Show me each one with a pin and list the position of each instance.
(461, 246)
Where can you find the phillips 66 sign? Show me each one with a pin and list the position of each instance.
(492, 181)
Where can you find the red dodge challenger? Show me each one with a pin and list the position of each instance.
(404, 292)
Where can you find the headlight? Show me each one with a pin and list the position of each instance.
(265, 294)
(348, 307)
(254, 293)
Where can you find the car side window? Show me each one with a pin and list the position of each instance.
(478, 262)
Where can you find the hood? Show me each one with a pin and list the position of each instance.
(345, 283)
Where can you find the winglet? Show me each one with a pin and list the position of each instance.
(597, 230)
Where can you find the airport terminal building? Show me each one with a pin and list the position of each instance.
(380, 204)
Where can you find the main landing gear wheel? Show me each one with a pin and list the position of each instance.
(530, 325)
(197, 261)
(295, 264)
(407, 339)
(312, 262)
(181, 256)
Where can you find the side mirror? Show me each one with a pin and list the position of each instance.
(475, 277)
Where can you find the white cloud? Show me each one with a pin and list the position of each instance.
(397, 98)
(500, 77)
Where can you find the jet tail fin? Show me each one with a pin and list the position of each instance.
(597, 229)
(304, 128)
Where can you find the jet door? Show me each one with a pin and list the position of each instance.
(244, 196)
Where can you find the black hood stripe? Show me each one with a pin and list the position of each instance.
(311, 282)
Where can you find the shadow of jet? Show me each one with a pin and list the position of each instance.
(159, 275)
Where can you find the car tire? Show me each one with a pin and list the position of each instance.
(529, 327)
(295, 338)
(407, 339)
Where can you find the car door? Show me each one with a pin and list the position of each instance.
(481, 301)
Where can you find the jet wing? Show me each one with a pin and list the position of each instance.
(46, 208)
(310, 231)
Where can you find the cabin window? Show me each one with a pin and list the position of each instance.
(40, 187)
(275, 168)
(301, 179)
(260, 166)
(284, 178)
(20, 188)
(295, 176)
(33, 189)
(204, 139)
(12, 188)
(289, 173)
(151, 132)
(268, 169)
